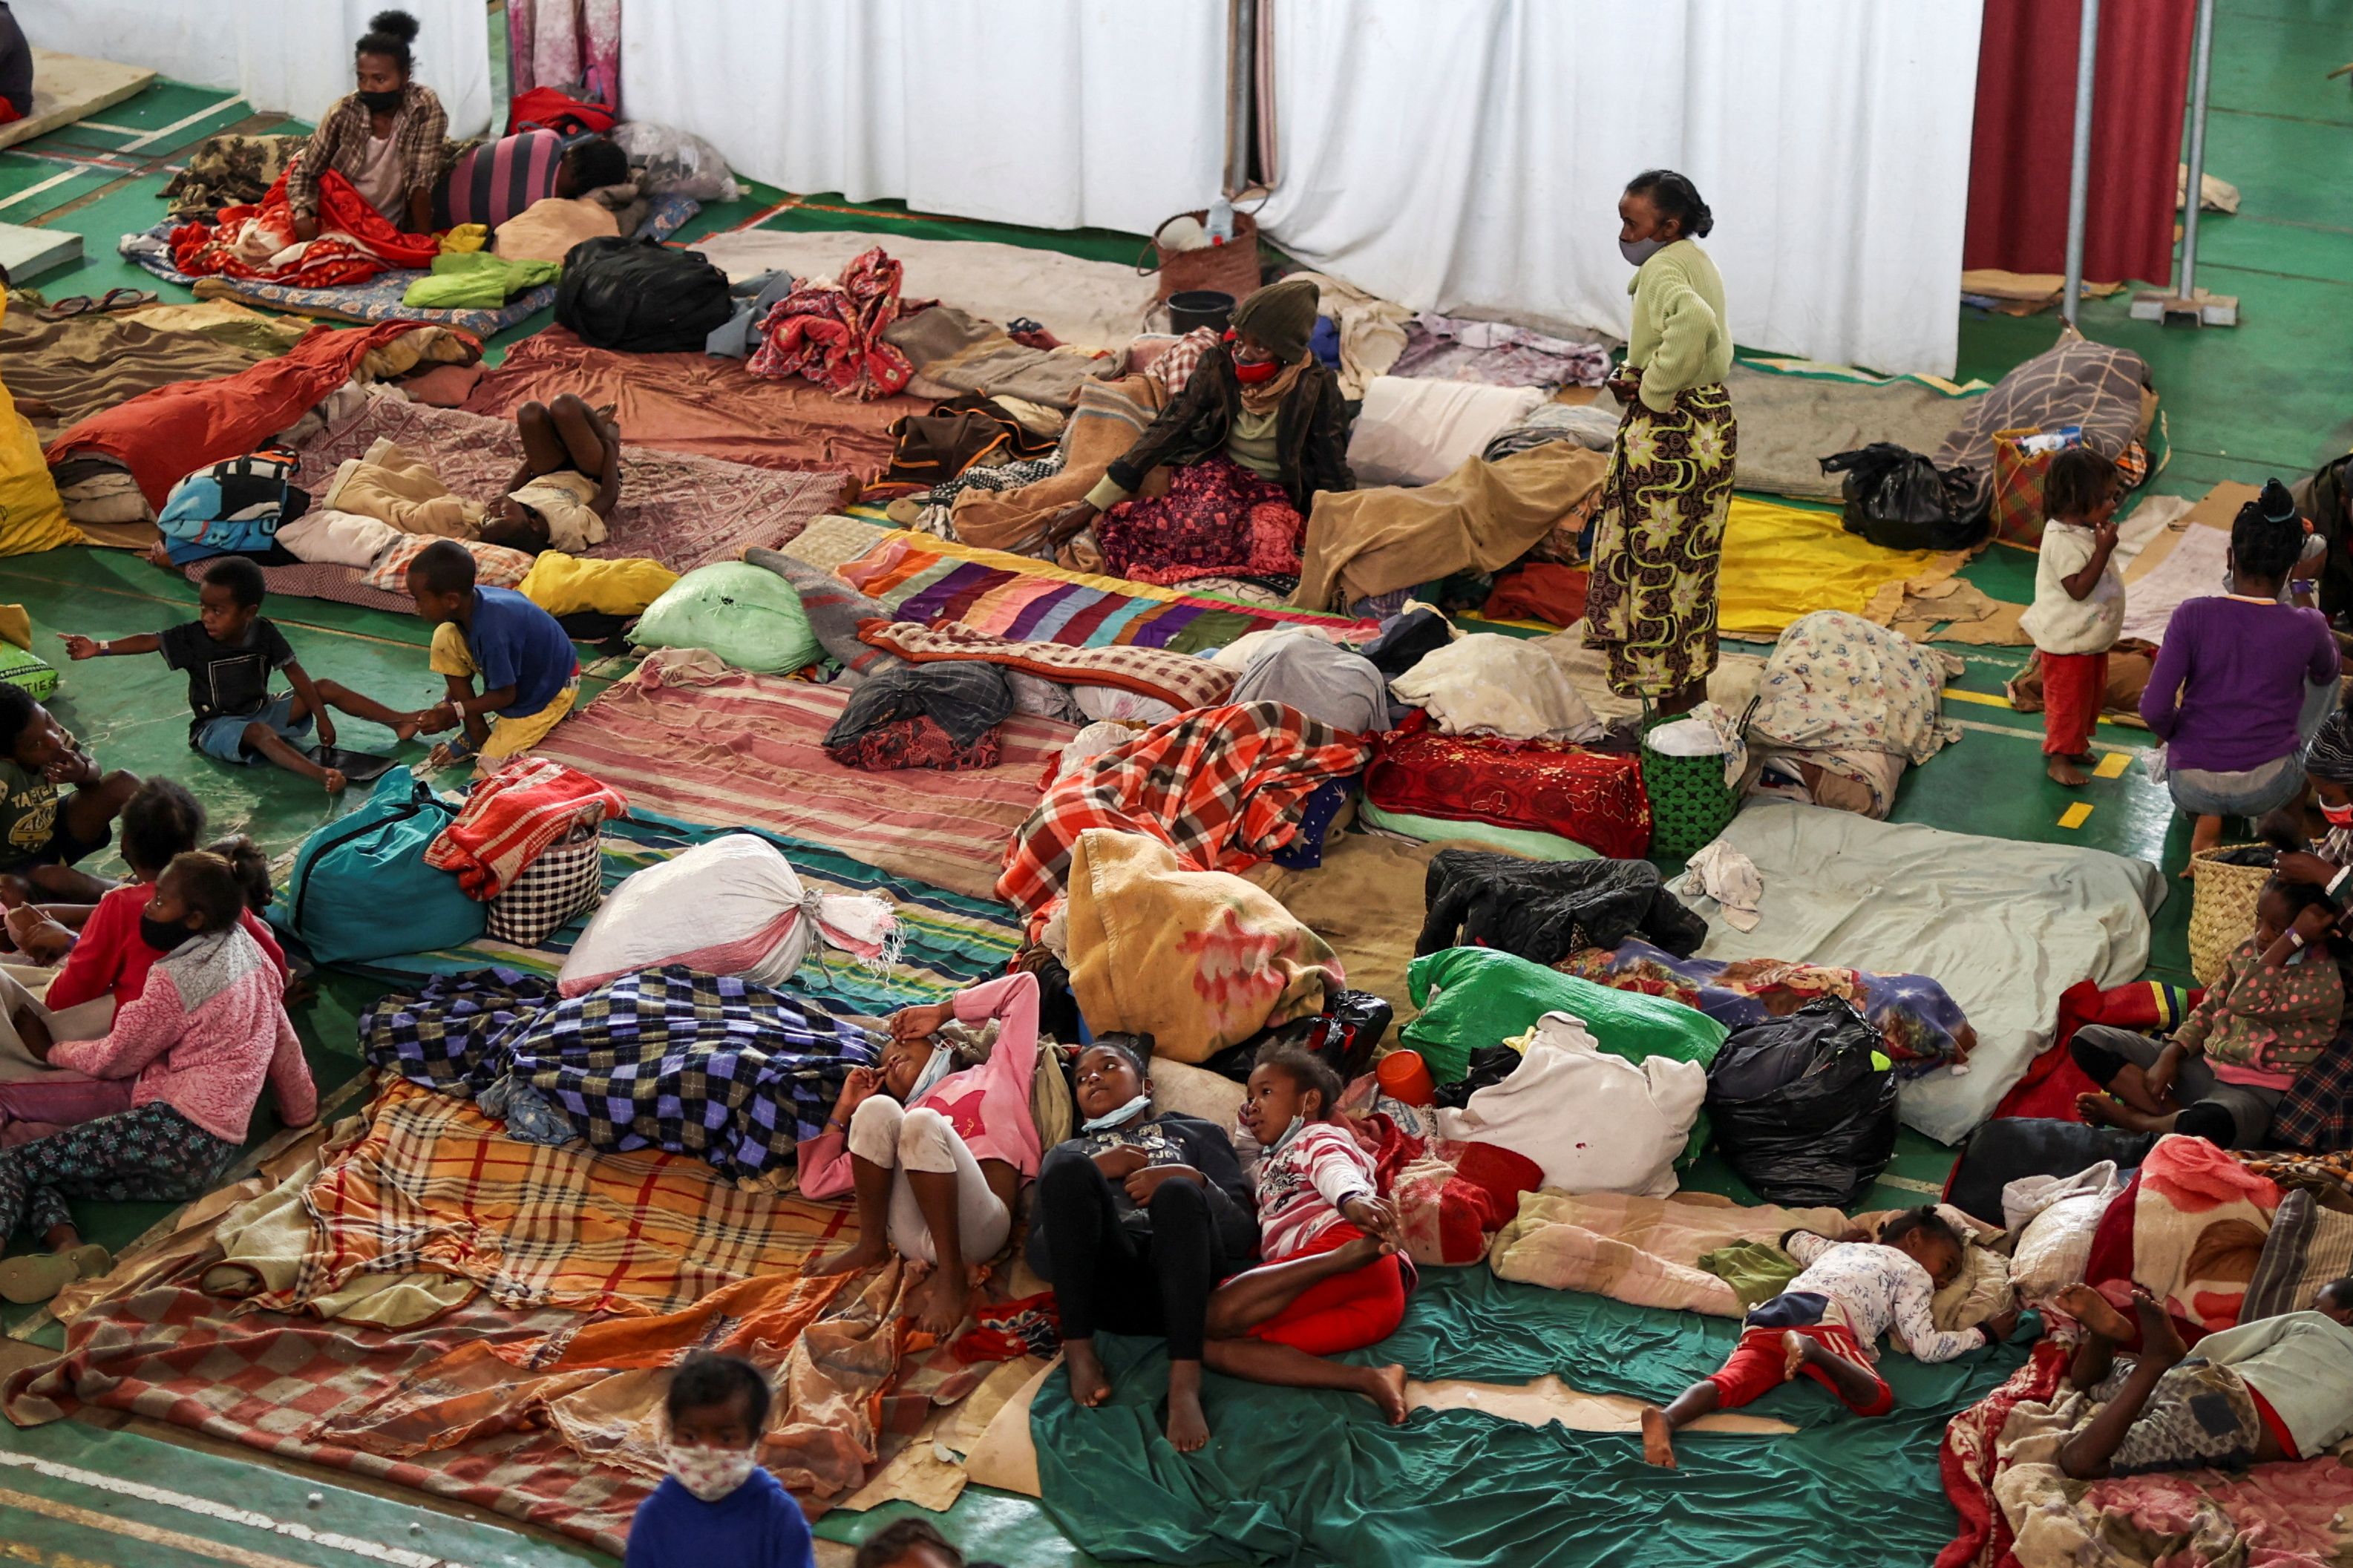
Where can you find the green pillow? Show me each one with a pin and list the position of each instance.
(749, 617)
(18, 668)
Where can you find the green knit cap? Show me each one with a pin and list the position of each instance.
(1281, 316)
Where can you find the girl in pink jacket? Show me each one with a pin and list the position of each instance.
(209, 1029)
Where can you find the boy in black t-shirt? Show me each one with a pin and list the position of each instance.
(228, 651)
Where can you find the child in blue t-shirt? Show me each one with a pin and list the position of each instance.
(529, 671)
(717, 1504)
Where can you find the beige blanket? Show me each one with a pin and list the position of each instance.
(1642, 1250)
(1111, 415)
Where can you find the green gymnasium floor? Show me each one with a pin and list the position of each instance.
(2274, 395)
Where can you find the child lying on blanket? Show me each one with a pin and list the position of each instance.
(935, 1157)
(529, 671)
(44, 830)
(203, 1037)
(570, 481)
(2277, 1388)
(1332, 1279)
(1826, 1324)
(228, 651)
(718, 1508)
(2233, 1060)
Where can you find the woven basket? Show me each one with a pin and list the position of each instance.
(2018, 476)
(2221, 909)
(1689, 803)
(1228, 269)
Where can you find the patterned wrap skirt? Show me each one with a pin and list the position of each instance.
(1661, 539)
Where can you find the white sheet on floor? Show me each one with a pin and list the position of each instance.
(2004, 926)
(293, 56)
(1032, 111)
(1092, 304)
(2193, 569)
(1468, 158)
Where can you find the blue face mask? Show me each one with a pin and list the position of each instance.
(1120, 1118)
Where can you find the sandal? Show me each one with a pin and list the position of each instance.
(127, 299)
(35, 1277)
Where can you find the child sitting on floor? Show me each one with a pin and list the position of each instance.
(228, 652)
(205, 1035)
(1826, 1324)
(529, 671)
(935, 1157)
(2270, 1389)
(2233, 1060)
(2078, 609)
(1332, 1279)
(718, 1508)
(43, 830)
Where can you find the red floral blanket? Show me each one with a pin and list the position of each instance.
(354, 241)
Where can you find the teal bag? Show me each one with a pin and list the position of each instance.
(361, 888)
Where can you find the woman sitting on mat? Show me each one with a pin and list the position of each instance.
(387, 138)
(2273, 1012)
(569, 482)
(2241, 681)
(1334, 1278)
(1258, 430)
(1137, 1219)
(936, 1157)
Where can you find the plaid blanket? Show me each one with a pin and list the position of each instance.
(1181, 680)
(1222, 786)
(429, 1182)
(2316, 1113)
(513, 814)
(708, 1065)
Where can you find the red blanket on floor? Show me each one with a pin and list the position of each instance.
(1595, 798)
(354, 241)
(512, 816)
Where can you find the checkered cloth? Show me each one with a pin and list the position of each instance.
(2316, 1113)
(1176, 364)
(1179, 679)
(565, 880)
(443, 1037)
(1222, 786)
(512, 815)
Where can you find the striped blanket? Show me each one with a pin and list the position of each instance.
(690, 739)
(931, 580)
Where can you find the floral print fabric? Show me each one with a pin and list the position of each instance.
(1659, 540)
(1217, 519)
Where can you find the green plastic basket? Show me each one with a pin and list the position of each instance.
(1689, 803)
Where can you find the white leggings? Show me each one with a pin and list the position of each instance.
(888, 1134)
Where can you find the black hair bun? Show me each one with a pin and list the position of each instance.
(394, 24)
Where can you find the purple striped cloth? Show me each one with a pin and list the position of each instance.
(493, 181)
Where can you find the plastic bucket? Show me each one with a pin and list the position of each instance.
(1199, 308)
(1403, 1075)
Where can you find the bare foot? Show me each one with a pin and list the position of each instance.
(407, 730)
(2099, 1110)
(940, 1303)
(1658, 1439)
(2061, 770)
(1188, 1429)
(1386, 1388)
(2092, 1310)
(1089, 1386)
(335, 781)
(2160, 1342)
(864, 1255)
(1356, 1254)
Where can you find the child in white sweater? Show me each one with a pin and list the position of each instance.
(2079, 606)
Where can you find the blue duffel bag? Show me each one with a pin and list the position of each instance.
(361, 888)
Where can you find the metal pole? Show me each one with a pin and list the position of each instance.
(2079, 177)
(1242, 90)
(2198, 71)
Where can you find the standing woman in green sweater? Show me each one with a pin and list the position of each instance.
(1661, 534)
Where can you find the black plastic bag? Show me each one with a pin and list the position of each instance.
(1346, 1033)
(1799, 1107)
(1898, 499)
(639, 296)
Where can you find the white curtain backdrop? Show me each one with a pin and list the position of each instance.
(1468, 158)
(290, 56)
(1054, 113)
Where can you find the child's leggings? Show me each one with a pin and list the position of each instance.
(2075, 686)
(152, 1154)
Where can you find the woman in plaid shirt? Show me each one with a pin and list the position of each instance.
(387, 138)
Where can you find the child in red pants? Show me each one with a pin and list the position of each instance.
(2079, 606)
(1825, 1324)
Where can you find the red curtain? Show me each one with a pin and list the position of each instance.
(2024, 139)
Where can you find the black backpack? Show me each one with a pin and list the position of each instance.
(640, 296)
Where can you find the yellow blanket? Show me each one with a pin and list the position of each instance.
(1781, 564)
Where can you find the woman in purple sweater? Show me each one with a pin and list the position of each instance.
(2243, 680)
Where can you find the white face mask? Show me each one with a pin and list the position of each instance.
(709, 1473)
(1637, 251)
(1120, 1118)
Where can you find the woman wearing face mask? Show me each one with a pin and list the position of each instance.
(935, 1157)
(1659, 537)
(1137, 1219)
(1259, 429)
(387, 138)
(718, 1506)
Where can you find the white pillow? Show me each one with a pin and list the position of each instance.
(2056, 1248)
(325, 537)
(1413, 432)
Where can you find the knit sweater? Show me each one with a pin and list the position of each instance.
(2261, 1025)
(1301, 1184)
(1680, 338)
(209, 1029)
(112, 955)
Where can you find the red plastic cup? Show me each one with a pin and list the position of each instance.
(1403, 1075)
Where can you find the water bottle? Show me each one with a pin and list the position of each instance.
(1221, 221)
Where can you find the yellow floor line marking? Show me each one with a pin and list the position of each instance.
(373, 1551)
(2077, 815)
(1991, 699)
(2113, 765)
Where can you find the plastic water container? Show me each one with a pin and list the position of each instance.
(1221, 221)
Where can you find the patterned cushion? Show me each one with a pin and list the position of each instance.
(563, 881)
(495, 566)
(2308, 1247)
(18, 668)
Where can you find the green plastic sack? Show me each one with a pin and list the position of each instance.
(477, 280)
(1474, 997)
(748, 616)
